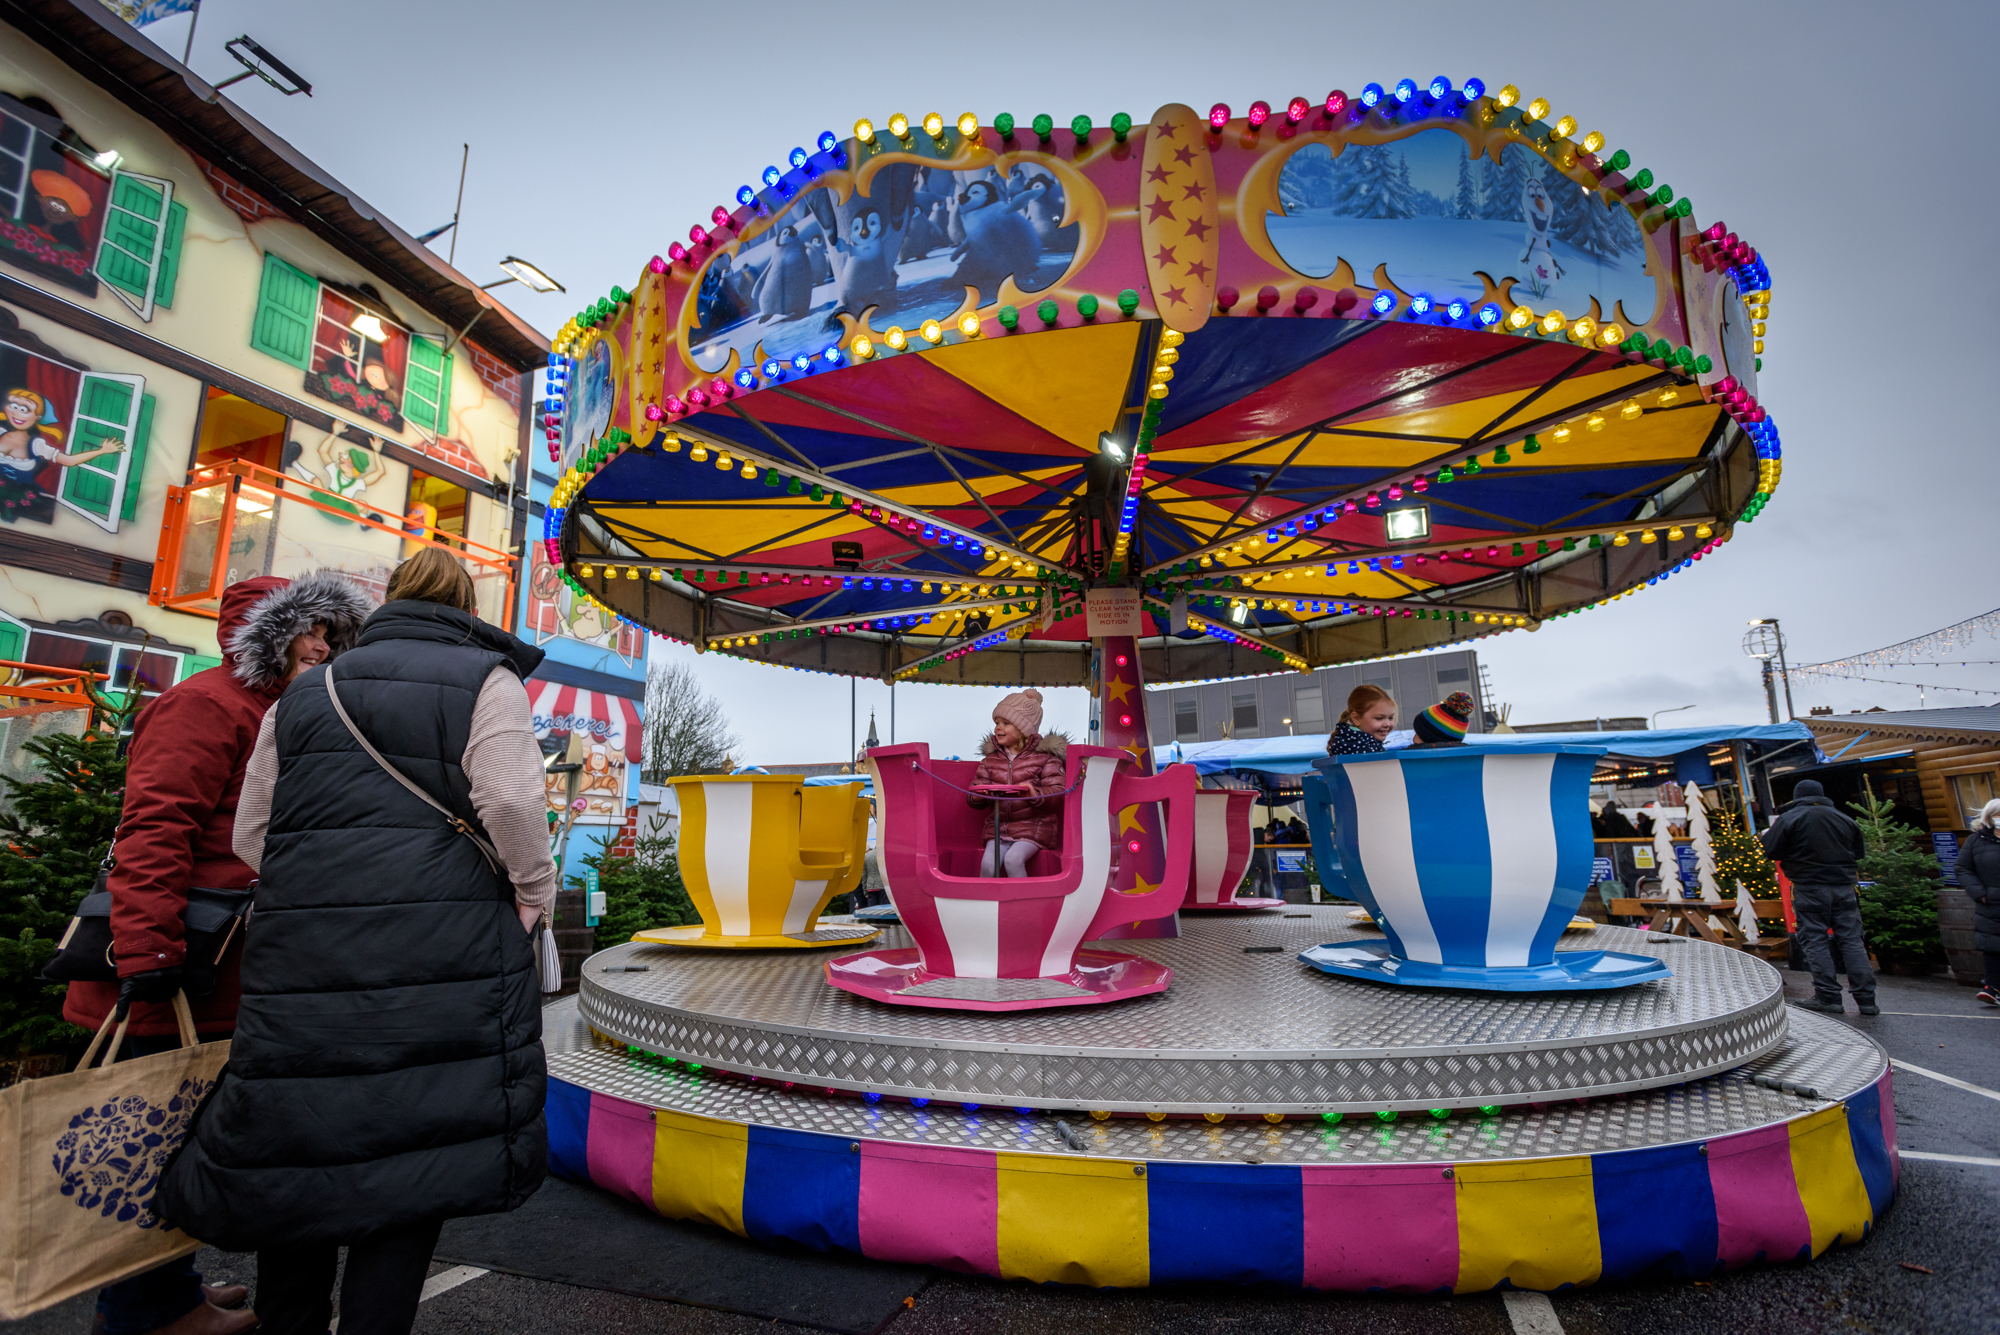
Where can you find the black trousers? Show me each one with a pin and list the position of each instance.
(1830, 935)
(378, 1292)
(1990, 961)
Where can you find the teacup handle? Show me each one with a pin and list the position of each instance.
(1174, 786)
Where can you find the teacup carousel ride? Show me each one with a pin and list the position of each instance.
(1190, 398)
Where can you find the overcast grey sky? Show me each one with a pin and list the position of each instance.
(1849, 142)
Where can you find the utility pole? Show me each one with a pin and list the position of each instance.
(854, 739)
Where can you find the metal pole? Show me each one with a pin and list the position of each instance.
(854, 738)
(193, 18)
(1783, 672)
(465, 158)
(1770, 691)
(892, 711)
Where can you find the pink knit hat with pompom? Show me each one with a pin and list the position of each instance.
(1023, 709)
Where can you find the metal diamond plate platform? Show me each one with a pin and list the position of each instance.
(1824, 1055)
(1243, 1029)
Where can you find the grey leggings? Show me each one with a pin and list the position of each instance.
(1014, 855)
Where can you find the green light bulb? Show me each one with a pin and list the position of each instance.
(1045, 126)
(1121, 125)
(1004, 123)
(1080, 127)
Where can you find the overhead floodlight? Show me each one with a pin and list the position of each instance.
(1112, 447)
(519, 270)
(369, 325)
(1408, 523)
(256, 60)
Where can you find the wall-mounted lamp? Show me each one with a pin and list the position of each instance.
(519, 270)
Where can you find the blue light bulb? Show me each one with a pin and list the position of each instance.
(1475, 89)
(773, 369)
(871, 1097)
(1457, 309)
(867, 584)
(1371, 94)
(1420, 304)
(833, 357)
(1489, 314)
(1384, 303)
(802, 363)
(1406, 90)
(798, 158)
(747, 378)
(772, 176)
(746, 196)
(827, 141)
(1440, 88)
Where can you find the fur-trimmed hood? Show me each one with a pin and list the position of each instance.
(257, 648)
(1050, 743)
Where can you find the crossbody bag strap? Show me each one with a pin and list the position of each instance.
(486, 850)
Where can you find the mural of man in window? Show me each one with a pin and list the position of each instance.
(30, 442)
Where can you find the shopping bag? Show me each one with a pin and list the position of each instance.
(83, 1154)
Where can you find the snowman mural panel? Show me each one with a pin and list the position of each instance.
(903, 246)
(1436, 215)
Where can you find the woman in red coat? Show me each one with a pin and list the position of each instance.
(183, 774)
(1016, 759)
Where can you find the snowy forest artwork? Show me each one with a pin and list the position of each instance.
(1433, 215)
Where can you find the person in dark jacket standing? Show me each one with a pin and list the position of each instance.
(183, 777)
(387, 1070)
(1978, 874)
(1819, 848)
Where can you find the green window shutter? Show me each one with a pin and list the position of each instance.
(287, 301)
(444, 396)
(135, 471)
(422, 380)
(193, 663)
(13, 639)
(170, 258)
(106, 406)
(134, 237)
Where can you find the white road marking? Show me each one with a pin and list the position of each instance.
(1949, 1158)
(1945, 1015)
(1953, 1080)
(1531, 1313)
(446, 1280)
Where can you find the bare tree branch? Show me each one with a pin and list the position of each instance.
(686, 732)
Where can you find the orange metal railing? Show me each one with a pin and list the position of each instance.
(238, 508)
(51, 687)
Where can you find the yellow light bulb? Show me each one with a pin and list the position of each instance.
(1581, 331)
(1538, 108)
(1703, 531)
(658, 577)
(932, 331)
(1622, 540)
(863, 349)
(1565, 127)
(1520, 318)
(1173, 338)
(1675, 534)
(723, 462)
(1757, 347)
(968, 125)
(1207, 561)
(1649, 536)
(1668, 396)
(1611, 335)
(1479, 618)
(1594, 422)
(1168, 356)
(968, 325)
(1156, 390)
(896, 338)
(670, 443)
(1162, 374)
(899, 125)
(933, 125)
(1592, 142)
(586, 571)
(864, 130)
(1508, 96)
(750, 471)
(699, 453)
(631, 572)
(1632, 410)
(1757, 328)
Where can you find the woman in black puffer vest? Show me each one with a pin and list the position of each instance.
(387, 1069)
(1978, 874)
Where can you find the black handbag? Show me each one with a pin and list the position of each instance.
(210, 922)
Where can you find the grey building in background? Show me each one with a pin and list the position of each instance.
(1260, 706)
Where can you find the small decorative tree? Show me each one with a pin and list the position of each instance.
(641, 891)
(1740, 860)
(56, 835)
(1899, 912)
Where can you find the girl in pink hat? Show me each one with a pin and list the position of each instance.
(1022, 771)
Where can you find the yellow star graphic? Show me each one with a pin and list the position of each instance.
(1137, 752)
(1128, 819)
(1139, 886)
(1118, 689)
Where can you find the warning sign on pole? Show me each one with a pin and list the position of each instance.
(1112, 612)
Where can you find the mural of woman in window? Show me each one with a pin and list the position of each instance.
(358, 361)
(31, 441)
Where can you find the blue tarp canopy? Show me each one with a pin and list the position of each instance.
(1294, 755)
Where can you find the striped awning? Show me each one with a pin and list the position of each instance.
(560, 710)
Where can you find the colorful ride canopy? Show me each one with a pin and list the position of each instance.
(1349, 378)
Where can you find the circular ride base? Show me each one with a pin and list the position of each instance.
(1258, 1121)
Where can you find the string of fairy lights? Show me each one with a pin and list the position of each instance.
(1234, 576)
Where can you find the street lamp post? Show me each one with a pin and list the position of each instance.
(1769, 643)
(1675, 710)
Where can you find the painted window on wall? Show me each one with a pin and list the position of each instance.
(71, 438)
(53, 199)
(139, 253)
(427, 389)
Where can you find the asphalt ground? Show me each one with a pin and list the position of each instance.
(1932, 1266)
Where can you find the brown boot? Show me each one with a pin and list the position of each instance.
(226, 1295)
(208, 1319)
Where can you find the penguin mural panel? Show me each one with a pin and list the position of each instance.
(900, 248)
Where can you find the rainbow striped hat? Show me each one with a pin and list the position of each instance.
(1447, 720)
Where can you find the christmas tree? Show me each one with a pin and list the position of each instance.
(1583, 220)
(1375, 185)
(1899, 908)
(56, 834)
(1504, 184)
(1465, 204)
(1740, 860)
(1307, 180)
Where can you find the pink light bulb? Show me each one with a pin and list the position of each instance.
(1260, 111)
(656, 264)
